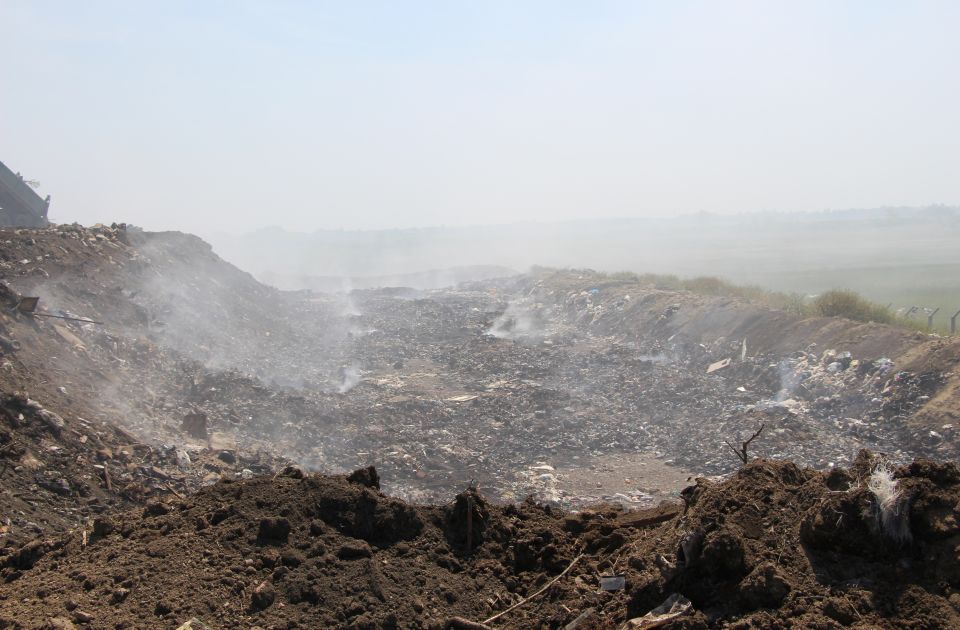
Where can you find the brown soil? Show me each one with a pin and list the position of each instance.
(774, 546)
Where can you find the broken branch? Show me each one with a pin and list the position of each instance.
(106, 478)
(527, 599)
(459, 623)
(175, 493)
(741, 452)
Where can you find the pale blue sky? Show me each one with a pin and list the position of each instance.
(232, 115)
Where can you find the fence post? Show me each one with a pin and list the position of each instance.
(953, 323)
(930, 318)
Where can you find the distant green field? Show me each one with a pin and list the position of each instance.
(900, 287)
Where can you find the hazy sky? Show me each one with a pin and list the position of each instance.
(231, 115)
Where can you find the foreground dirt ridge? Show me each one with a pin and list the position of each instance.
(146, 439)
(773, 546)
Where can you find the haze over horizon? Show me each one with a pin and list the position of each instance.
(237, 115)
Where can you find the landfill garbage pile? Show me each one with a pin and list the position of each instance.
(60, 474)
(773, 546)
(528, 385)
(152, 379)
(427, 396)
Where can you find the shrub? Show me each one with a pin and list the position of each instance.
(849, 304)
(708, 285)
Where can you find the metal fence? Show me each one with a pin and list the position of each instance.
(929, 312)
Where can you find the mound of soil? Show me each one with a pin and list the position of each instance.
(780, 546)
(773, 546)
(295, 550)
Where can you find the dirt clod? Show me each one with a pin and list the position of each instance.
(765, 587)
(263, 596)
(366, 477)
(275, 529)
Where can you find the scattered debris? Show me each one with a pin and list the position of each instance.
(719, 365)
(673, 607)
(612, 582)
(893, 510)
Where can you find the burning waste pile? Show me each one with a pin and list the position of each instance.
(193, 413)
(520, 322)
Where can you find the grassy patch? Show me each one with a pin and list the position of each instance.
(849, 304)
(834, 303)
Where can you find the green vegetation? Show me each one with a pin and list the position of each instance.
(712, 286)
(832, 303)
(849, 304)
(899, 287)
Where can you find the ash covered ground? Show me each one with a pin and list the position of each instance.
(575, 388)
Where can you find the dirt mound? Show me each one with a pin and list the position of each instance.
(780, 546)
(312, 551)
(773, 546)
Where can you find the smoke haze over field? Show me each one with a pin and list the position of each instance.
(898, 256)
(233, 115)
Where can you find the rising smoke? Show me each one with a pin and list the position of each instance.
(520, 321)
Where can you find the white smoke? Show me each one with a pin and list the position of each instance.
(517, 322)
(349, 378)
(349, 306)
(789, 380)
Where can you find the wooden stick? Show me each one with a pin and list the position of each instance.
(459, 623)
(469, 523)
(170, 488)
(73, 319)
(527, 599)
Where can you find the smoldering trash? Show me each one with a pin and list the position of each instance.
(540, 450)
